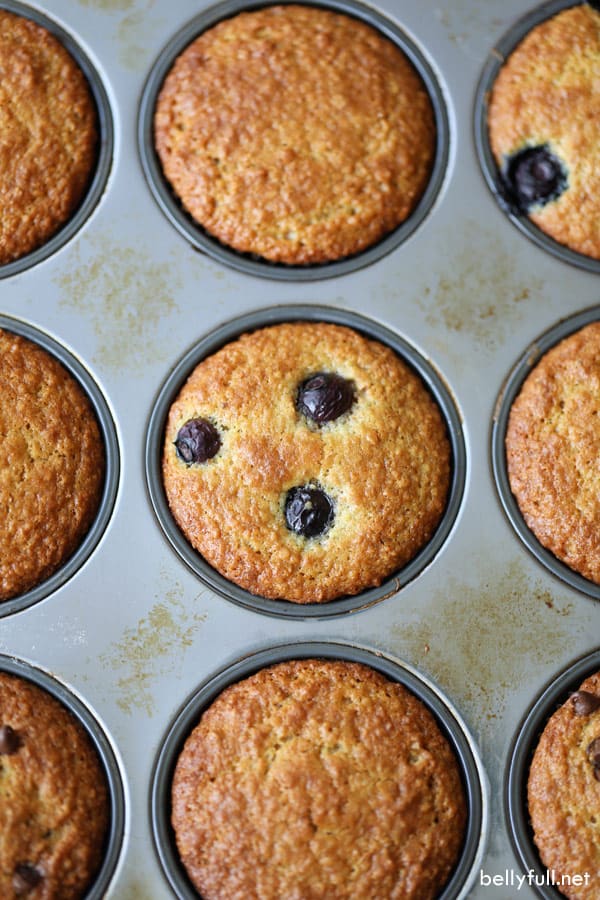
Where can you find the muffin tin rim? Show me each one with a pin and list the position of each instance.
(106, 423)
(98, 182)
(199, 237)
(372, 329)
(496, 58)
(525, 364)
(448, 718)
(552, 696)
(107, 754)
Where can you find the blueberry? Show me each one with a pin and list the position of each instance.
(534, 177)
(197, 441)
(26, 877)
(325, 396)
(308, 511)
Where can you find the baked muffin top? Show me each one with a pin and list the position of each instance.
(553, 448)
(51, 468)
(48, 124)
(295, 133)
(318, 779)
(306, 462)
(54, 813)
(564, 792)
(544, 127)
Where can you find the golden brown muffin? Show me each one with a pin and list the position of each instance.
(564, 793)
(49, 136)
(295, 133)
(52, 465)
(54, 812)
(306, 489)
(553, 448)
(544, 127)
(318, 779)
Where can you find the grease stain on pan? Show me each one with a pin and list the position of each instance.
(151, 650)
(478, 294)
(133, 36)
(136, 890)
(126, 295)
(468, 25)
(109, 5)
(486, 641)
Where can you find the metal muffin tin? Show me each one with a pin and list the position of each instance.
(290, 313)
(554, 695)
(105, 141)
(498, 55)
(525, 365)
(248, 263)
(108, 758)
(111, 478)
(134, 630)
(454, 729)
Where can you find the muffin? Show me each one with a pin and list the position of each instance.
(54, 813)
(544, 128)
(317, 779)
(296, 134)
(564, 793)
(305, 462)
(52, 466)
(48, 124)
(553, 447)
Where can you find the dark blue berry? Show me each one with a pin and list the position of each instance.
(197, 441)
(534, 177)
(308, 511)
(325, 396)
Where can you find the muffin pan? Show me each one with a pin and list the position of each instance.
(554, 695)
(247, 263)
(498, 54)
(101, 173)
(134, 629)
(108, 757)
(519, 373)
(111, 479)
(454, 730)
(298, 312)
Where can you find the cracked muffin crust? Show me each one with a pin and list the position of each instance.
(54, 812)
(553, 448)
(306, 462)
(544, 127)
(318, 779)
(564, 793)
(296, 134)
(52, 465)
(48, 123)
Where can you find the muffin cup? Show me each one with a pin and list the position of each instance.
(103, 165)
(271, 316)
(106, 754)
(519, 760)
(199, 238)
(111, 479)
(510, 389)
(449, 721)
(496, 59)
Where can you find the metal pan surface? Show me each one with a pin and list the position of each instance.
(134, 629)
